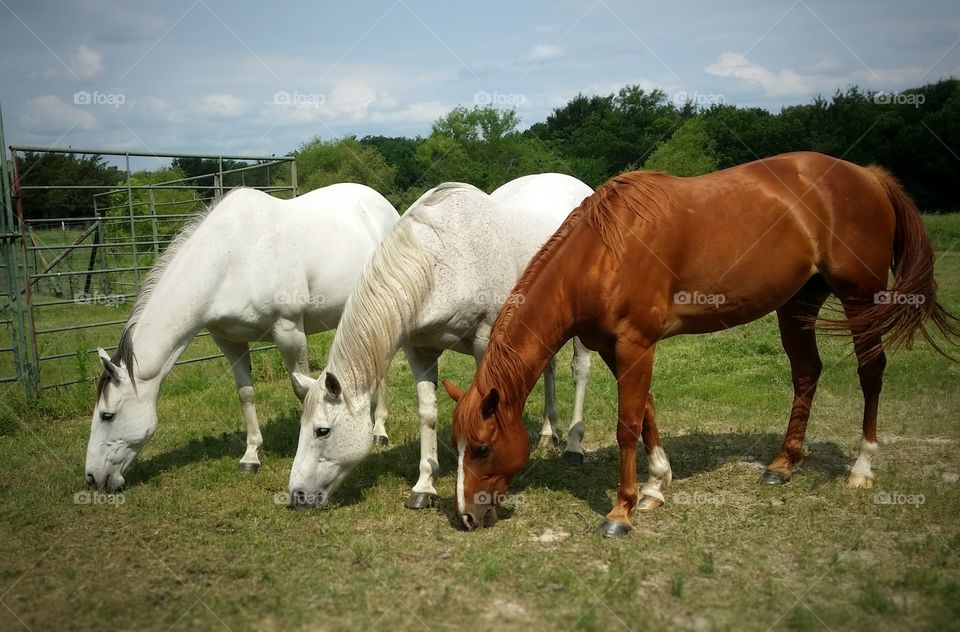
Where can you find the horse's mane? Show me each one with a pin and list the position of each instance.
(387, 298)
(638, 192)
(124, 354)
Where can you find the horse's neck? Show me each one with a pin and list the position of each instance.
(171, 318)
(537, 330)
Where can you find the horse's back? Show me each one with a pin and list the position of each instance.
(298, 257)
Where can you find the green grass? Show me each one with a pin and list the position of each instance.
(195, 544)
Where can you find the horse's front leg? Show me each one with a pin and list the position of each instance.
(380, 416)
(580, 367)
(658, 465)
(423, 365)
(237, 355)
(632, 364)
(290, 339)
(549, 437)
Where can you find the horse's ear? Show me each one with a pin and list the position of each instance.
(452, 390)
(332, 384)
(112, 369)
(303, 382)
(488, 406)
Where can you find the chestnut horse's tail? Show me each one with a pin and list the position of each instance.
(903, 312)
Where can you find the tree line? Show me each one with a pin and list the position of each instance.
(915, 134)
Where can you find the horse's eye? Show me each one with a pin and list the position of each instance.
(482, 452)
(106, 416)
(322, 433)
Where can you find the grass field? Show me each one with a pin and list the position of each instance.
(194, 544)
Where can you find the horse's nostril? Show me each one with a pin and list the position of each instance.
(91, 480)
(469, 521)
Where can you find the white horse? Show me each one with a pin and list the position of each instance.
(254, 267)
(437, 282)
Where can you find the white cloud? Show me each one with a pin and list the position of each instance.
(785, 83)
(86, 62)
(545, 52)
(49, 115)
(219, 107)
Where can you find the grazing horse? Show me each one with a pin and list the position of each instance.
(254, 267)
(650, 256)
(437, 282)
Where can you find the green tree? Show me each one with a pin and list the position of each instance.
(482, 146)
(321, 163)
(689, 152)
(49, 169)
(400, 153)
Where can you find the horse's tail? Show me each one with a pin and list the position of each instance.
(905, 311)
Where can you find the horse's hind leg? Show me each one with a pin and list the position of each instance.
(871, 363)
(580, 366)
(238, 356)
(549, 437)
(796, 319)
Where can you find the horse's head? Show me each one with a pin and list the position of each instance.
(336, 432)
(124, 418)
(492, 447)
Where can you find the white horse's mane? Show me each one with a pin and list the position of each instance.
(124, 353)
(388, 296)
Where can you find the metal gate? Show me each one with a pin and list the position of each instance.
(69, 282)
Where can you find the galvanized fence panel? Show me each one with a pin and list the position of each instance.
(70, 282)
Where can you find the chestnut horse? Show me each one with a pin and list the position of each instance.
(650, 256)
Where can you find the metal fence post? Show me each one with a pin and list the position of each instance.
(133, 225)
(31, 371)
(293, 176)
(153, 224)
(8, 235)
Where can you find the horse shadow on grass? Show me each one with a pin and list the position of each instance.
(690, 455)
(280, 436)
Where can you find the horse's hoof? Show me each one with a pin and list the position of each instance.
(859, 481)
(614, 529)
(381, 441)
(649, 503)
(772, 477)
(420, 500)
(549, 441)
(249, 468)
(573, 458)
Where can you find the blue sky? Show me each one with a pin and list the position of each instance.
(261, 77)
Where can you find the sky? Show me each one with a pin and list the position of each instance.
(260, 78)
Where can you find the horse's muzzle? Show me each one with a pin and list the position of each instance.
(301, 500)
(481, 516)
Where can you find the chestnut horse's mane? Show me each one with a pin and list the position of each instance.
(639, 193)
